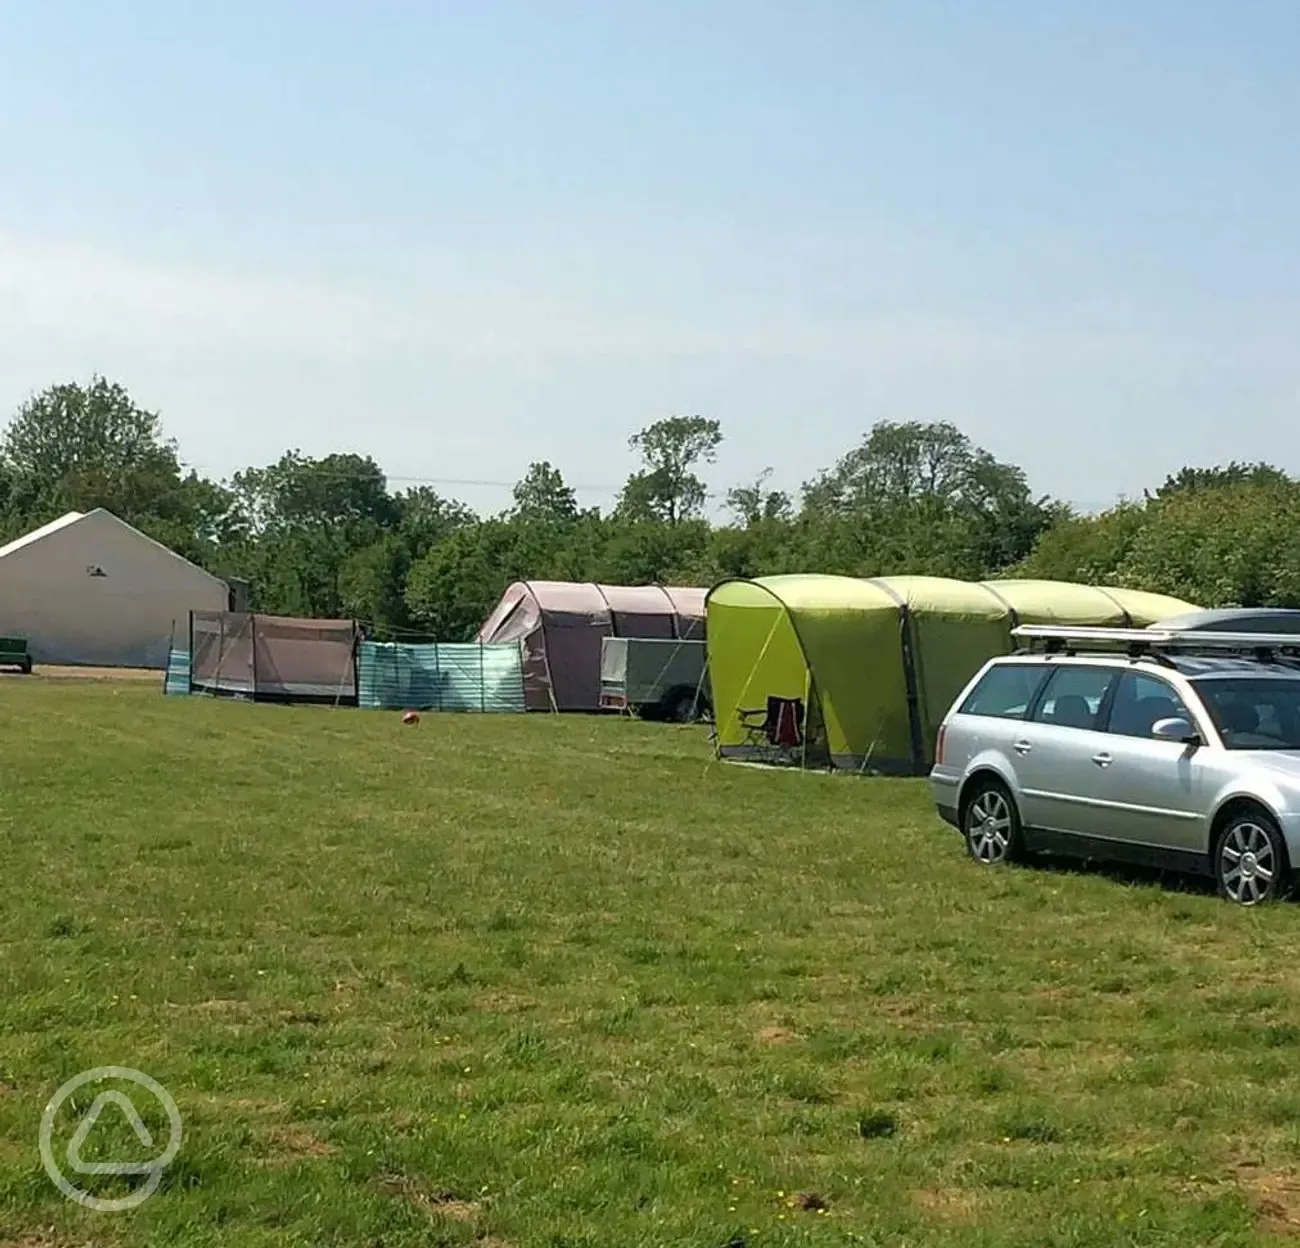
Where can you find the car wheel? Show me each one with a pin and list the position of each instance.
(1250, 863)
(991, 824)
(680, 708)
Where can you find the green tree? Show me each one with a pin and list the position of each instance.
(646, 554)
(76, 447)
(541, 495)
(1234, 473)
(1215, 536)
(1233, 545)
(307, 518)
(425, 518)
(924, 498)
(298, 492)
(451, 590)
(1087, 549)
(75, 444)
(372, 587)
(11, 525)
(667, 488)
(753, 504)
(898, 464)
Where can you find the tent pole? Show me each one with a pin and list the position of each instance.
(356, 690)
(913, 692)
(910, 684)
(171, 645)
(807, 707)
(766, 642)
(749, 680)
(550, 678)
(699, 684)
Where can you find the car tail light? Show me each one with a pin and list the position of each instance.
(939, 744)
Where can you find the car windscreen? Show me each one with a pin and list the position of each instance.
(1253, 712)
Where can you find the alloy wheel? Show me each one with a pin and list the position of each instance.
(988, 827)
(1248, 863)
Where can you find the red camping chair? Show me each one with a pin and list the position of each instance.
(782, 724)
(786, 718)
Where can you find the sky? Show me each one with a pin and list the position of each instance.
(463, 237)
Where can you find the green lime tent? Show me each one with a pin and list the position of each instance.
(875, 664)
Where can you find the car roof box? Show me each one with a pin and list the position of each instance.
(1273, 620)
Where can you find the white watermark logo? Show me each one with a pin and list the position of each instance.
(112, 1096)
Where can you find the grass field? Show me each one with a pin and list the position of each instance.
(519, 981)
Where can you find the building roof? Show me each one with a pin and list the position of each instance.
(76, 517)
(44, 531)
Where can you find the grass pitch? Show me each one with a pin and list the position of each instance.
(527, 982)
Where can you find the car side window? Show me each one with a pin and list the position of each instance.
(1073, 696)
(1005, 692)
(1140, 702)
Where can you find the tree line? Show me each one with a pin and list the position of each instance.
(327, 537)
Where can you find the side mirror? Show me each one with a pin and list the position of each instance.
(1175, 729)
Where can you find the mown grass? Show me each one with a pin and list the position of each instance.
(535, 982)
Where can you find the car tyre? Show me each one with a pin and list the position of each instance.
(1250, 860)
(680, 707)
(990, 824)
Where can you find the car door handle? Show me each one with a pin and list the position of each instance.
(1102, 760)
(1022, 747)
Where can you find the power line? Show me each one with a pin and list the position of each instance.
(578, 488)
(505, 485)
(341, 475)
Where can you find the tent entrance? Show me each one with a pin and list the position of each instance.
(783, 732)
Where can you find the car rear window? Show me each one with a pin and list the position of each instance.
(1004, 691)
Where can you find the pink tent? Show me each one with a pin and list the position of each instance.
(561, 624)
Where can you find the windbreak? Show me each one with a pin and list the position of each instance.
(273, 658)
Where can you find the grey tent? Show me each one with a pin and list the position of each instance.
(562, 623)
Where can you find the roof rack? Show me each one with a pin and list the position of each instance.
(1156, 643)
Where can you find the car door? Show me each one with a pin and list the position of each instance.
(1154, 789)
(1055, 753)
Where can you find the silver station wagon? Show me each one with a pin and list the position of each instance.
(1175, 749)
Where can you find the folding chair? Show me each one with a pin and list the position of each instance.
(781, 728)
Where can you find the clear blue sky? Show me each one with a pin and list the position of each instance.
(463, 236)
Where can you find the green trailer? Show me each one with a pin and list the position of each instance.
(657, 678)
(14, 653)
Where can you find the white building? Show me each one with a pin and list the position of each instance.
(89, 589)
